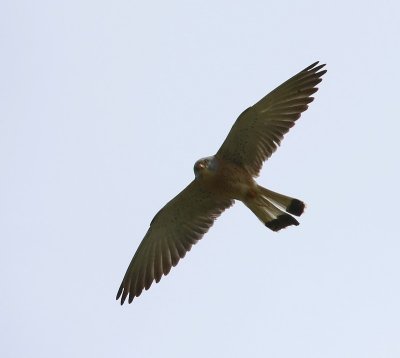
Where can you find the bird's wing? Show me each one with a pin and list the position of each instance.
(175, 228)
(259, 129)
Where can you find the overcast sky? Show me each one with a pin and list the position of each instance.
(104, 108)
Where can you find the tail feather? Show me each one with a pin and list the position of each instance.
(268, 206)
(291, 205)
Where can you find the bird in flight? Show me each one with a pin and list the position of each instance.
(223, 178)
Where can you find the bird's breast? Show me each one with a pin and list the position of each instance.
(228, 180)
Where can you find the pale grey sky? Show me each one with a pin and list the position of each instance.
(105, 107)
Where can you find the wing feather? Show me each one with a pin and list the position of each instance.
(173, 231)
(149, 270)
(158, 266)
(167, 262)
(258, 131)
(174, 253)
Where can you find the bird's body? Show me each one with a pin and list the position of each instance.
(229, 180)
(223, 178)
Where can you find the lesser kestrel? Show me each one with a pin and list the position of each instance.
(223, 178)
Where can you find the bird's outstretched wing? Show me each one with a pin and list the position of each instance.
(175, 228)
(259, 129)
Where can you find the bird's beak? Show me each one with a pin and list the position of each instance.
(199, 167)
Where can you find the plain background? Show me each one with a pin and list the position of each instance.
(105, 107)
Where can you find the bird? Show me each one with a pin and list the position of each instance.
(222, 179)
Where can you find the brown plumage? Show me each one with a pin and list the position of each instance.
(222, 179)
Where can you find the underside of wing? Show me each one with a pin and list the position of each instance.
(258, 131)
(173, 231)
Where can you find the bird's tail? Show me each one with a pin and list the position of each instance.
(270, 208)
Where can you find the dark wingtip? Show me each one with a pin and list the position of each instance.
(281, 222)
(119, 293)
(314, 68)
(296, 207)
(311, 66)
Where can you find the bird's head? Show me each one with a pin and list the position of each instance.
(204, 166)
